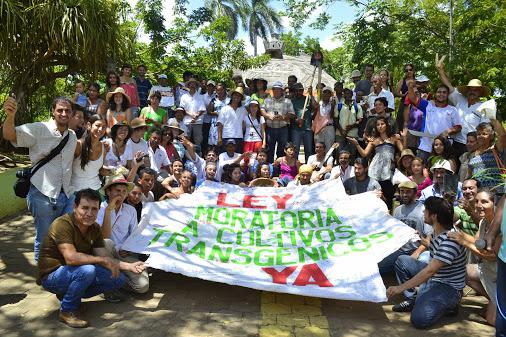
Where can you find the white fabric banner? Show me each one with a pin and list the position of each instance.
(311, 240)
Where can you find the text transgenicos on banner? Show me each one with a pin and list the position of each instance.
(312, 240)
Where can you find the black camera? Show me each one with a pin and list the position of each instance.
(141, 158)
(25, 173)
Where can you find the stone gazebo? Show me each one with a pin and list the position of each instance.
(281, 66)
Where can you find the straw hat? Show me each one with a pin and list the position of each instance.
(137, 123)
(117, 179)
(175, 126)
(475, 83)
(119, 90)
(238, 90)
(262, 182)
(405, 153)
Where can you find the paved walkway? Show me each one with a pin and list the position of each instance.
(182, 306)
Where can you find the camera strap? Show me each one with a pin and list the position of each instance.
(51, 154)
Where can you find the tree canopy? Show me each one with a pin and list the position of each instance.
(390, 33)
(46, 40)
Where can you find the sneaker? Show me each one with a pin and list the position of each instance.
(72, 319)
(404, 306)
(114, 297)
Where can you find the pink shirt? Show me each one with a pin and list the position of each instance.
(131, 91)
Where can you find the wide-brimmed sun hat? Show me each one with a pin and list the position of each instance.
(238, 90)
(174, 125)
(475, 83)
(137, 123)
(118, 90)
(117, 179)
(405, 153)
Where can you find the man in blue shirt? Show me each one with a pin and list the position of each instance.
(143, 85)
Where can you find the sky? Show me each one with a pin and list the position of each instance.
(340, 11)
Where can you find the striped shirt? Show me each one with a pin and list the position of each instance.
(454, 256)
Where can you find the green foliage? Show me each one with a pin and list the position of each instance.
(43, 41)
(235, 10)
(389, 33)
(214, 59)
(261, 20)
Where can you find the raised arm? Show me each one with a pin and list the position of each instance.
(363, 152)
(440, 66)
(8, 129)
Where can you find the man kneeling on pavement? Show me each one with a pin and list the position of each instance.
(441, 280)
(73, 262)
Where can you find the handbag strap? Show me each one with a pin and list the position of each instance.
(498, 160)
(253, 125)
(51, 154)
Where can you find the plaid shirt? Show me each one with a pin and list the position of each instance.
(282, 106)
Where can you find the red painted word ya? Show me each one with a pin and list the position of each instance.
(309, 274)
(254, 201)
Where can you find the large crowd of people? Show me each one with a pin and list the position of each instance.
(435, 158)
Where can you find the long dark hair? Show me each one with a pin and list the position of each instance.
(258, 113)
(86, 146)
(107, 82)
(124, 104)
(447, 148)
(375, 131)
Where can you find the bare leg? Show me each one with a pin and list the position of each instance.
(473, 279)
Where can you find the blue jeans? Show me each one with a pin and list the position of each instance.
(405, 268)
(433, 301)
(44, 211)
(386, 265)
(305, 137)
(500, 320)
(77, 282)
(279, 137)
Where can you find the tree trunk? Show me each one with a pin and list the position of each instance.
(255, 46)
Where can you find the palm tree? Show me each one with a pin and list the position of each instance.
(235, 9)
(262, 21)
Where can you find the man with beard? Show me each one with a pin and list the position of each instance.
(439, 117)
(466, 98)
(411, 213)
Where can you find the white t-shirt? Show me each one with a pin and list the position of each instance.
(253, 131)
(133, 147)
(232, 121)
(348, 173)
(312, 160)
(158, 158)
(469, 116)
(167, 95)
(193, 104)
(224, 159)
(437, 120)
(383, 93)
